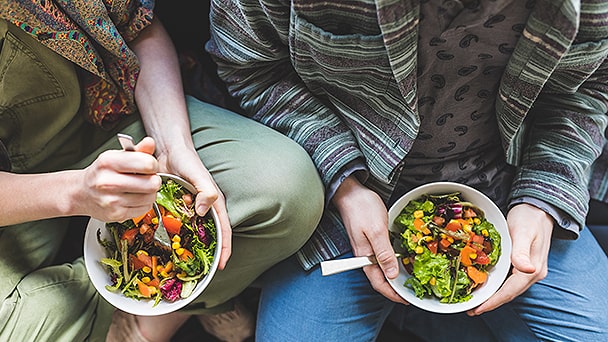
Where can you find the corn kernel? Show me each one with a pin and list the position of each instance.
(432, 281)
(145, 279)
(164, 274)
(419, 236)
(154, 220)
(153, 290)
(476, 220)
(405, 261)
(428, 238)
(179, 251)
(141, 252)
(451, 239)
(442, 235)
(176, 238)
(473, 256)
(175, 245)
(146, 269)
(418, 214)
(484, 232)
(159, 268)
(419, 250)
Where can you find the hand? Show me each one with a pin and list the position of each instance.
(366, 221)
(119, 184)
(186, 163)
(530, 229)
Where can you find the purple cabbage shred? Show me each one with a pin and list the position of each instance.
(171, 289)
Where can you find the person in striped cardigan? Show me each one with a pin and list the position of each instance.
(509, 97)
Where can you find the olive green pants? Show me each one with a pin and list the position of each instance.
(273, 192)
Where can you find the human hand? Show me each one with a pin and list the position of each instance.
(366, 221)
(119, 184)
(530, 229)
(186, 163)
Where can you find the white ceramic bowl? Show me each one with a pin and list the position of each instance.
(496, 275)
(93, 252)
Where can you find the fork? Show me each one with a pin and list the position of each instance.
(160, 234)
(330, 267)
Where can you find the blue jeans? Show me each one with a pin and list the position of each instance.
(570, 304)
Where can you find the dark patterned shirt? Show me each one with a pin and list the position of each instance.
(463, 49)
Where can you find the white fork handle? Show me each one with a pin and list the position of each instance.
(340, 265)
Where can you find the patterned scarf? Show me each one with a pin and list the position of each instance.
(94, 36)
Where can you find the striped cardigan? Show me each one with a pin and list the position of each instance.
(339, 77)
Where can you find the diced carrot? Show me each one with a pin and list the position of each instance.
(465, 255)
(444, 243)
(464, 222)
(186, 255)
(476, 275)
(172, 224)
(138, 219)
(453, 225)
(154, 264)
(145, 290)
(418, 223)
(154, 282)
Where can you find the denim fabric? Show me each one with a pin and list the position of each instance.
(568, 305)
(296, 305)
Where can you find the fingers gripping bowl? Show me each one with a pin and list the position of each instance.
(455, 267)
(136, 274)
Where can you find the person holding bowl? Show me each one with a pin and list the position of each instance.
(74, 74)
(508, 97)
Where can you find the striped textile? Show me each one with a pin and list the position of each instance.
(339, 77)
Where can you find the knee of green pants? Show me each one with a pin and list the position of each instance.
(56, 303)
(274, 195)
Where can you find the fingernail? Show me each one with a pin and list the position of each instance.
(391, 272)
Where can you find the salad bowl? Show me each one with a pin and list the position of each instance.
(496, 274)
(100, 275)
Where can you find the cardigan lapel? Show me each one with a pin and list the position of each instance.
(548, 34)
(398, 20)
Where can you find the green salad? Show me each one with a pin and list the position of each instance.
(141, 268)
(449, 246)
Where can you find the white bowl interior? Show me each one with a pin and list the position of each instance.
(496, 274)
(93, 252)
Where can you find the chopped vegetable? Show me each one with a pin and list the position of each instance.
(138, 267)
(449, 244)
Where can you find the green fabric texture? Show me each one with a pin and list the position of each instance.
(273, 191)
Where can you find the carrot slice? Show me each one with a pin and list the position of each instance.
(476, 275)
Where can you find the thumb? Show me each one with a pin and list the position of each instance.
(146, 145)
(388, 263)
(520, 257)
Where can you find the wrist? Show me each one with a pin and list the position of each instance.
(345, 190)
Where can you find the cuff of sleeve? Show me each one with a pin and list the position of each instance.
(356, 168)
(565, 227)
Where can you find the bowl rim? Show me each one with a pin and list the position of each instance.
(499, 271)
(142, 307)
